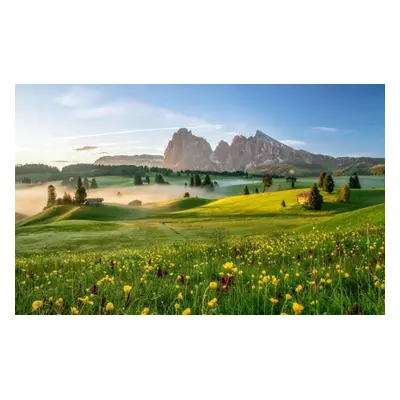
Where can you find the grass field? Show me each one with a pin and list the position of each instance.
(167, 253)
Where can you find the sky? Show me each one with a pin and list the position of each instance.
(66, 124)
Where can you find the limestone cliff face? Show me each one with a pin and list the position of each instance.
(187, 151)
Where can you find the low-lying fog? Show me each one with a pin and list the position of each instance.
(31, 200)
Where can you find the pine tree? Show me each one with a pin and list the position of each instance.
(283, 203)
(51, 196)
(187, 194)
(147, 180)
(93, 184)
(344, 194)
(66, 198)
(354, 182)
(267, 181)
(256, 190)
(322, 176)
(197, 180)
(191, 181)
(246, 190)
(80, 195)
(137, 180)
(315, 198)
(207, 180)
(79, 183)
(329, 184)
(86, 183)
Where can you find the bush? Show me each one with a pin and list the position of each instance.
(329, 184)
(187, 194)
(283, 203)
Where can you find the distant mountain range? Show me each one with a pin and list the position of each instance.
(260, 153)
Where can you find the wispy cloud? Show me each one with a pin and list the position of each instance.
(85, 148)
(99, 112)
(214, 126)
(323, 129)
(60, 161)
(79, 96)
(291, 142)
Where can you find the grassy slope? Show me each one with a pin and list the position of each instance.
(115, 226)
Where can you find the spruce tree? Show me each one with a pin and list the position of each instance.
(79, 183)
(344, 194)
(66, 198)
(329, 184)
(256, 190)
(191, 181)
(51, 196)
(197, 180)
(86, 183)
(137, 180)
(207, 180)
(147, 180)
(356, 182)
(246, 190)
(93, 184)
(315, 198)
(322, 176)
(80, 195)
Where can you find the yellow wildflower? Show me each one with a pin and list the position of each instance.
(212, 302)
(213, 285)
(177, 306)
(188, 311)
(109, 306)
(127, 288)
(297, 308)
(59, 302)
(180, 296)
(240, 272)
(37, 304)
(85, 300)
(288, 297)
(228, 265)
(274, 301)
(346, 275)
(145, 311)
(299, 289)
(74, 311)
(311, 283)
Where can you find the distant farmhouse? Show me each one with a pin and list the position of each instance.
(95, 201)
(135, 203)
(303, 198)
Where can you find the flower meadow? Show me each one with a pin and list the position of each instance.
(285, 274)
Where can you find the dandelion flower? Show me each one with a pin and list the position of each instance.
(299, 289)
(180, 296)
(188, 311)
(109, 306)
(273, 301)
(145, 311)
(213, 285)
(37, 304)
(74, 311)
(288, 297)
(346, 275)
(177, 306)
(297, 308)
(127, 288)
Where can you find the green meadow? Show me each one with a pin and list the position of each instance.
(237, 254)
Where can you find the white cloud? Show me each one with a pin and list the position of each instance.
(99, 112)
(324, 129)
(292, 143)
(79, 96)
(232, 133)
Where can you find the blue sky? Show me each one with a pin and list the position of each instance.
(62, 124)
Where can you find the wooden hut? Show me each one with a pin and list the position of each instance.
(303, 198)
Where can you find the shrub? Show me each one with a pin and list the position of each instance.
(187, 194)
(329, 184)
(344, 194)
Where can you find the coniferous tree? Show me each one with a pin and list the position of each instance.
(147, 179)
(329, 184)
(79, 183)
(267, 181)
(51, 196)
(197, 180)
(256, 190)
(344, 194)
(67, 199)
(207, 180)
(137, 180)
(246, 190)
(80, 195)
(93, 184)
(354, 182)
(85, 183)
(283, 203)
(322, 176)
(315, 198)
(191, 181)
(187, 194)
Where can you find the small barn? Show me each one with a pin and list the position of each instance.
(303, 198)
(95, 201)
(135, 203)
